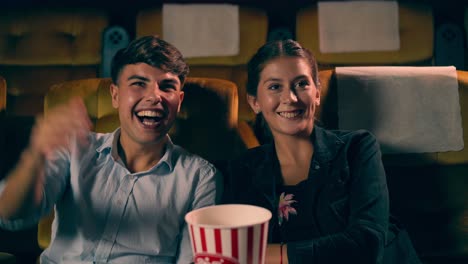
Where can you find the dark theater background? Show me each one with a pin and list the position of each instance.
(429, 197)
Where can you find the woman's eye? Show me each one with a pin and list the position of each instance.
(302, 84)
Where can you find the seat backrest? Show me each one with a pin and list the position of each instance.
(416, 35)
(3, 87)
(96, 95)
(328, 115)
(427, 190)
(40, 47)
(253, 29)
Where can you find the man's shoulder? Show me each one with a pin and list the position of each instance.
(185, 158)
(99, 142)
(95, 142)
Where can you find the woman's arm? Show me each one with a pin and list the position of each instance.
(276, 254)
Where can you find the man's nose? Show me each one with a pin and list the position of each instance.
(154, 93)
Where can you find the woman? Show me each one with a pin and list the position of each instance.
(327, 189)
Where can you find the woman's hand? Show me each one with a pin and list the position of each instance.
(274, 255)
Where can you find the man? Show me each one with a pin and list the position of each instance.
(119, 197)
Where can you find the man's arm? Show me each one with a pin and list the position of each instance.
(208, 192)
(22, 191)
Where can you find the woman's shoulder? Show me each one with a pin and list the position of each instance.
(255, 155)
(354, 136)
(356, 141)
(251, 158)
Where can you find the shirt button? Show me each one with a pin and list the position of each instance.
(317, 166)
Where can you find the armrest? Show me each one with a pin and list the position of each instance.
(247, 134)
(44, 231)
(6, 258)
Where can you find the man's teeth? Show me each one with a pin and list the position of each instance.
(149, 114)
(289, 114)
(149, 122)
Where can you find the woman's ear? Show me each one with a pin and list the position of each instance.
(252, 100)
(317, 97)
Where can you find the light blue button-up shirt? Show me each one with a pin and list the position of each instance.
(104, 213)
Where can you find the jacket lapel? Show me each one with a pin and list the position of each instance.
(266, 176)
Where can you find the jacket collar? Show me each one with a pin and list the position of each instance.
(326, 144)
(268, 173)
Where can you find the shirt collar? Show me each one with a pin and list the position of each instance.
(167, 158)
(110, 144)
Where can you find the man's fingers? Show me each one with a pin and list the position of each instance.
(61, 123)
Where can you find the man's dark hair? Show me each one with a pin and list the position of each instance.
(153, 51)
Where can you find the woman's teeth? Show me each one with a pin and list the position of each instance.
(291, 114)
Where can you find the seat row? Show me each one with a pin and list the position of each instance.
(427, 190)
(41, 47)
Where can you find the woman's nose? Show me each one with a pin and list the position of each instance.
(289, 96)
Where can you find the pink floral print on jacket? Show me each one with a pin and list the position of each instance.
(285, 208)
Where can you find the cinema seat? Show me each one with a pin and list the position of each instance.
(43, 46)
(427, 190)
(416, 29)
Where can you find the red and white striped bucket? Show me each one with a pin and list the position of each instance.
(229, 234)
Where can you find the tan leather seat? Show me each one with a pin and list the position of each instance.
(43, 46)
(416, 39)
(6, 258)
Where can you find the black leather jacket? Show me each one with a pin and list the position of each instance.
(351, 203)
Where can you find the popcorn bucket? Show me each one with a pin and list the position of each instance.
(228, 234)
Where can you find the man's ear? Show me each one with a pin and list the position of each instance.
(252, 100)
(181, 99)
(114, 91)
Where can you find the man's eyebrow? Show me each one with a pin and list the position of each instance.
(172, 81)
(137, 77)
